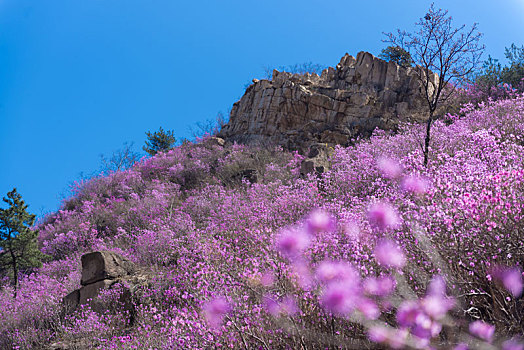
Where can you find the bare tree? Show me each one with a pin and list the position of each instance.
(445, 56)
(210, 126)
(120, 159)
(300, 68)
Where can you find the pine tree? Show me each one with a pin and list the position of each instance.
(159, 141)
(18, 243)
(396, 54)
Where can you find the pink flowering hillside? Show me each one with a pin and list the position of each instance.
(377, 252)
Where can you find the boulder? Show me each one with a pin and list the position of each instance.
(214, 141)
(317, 160)
(250, 175)
(98, 266)
(87, 295)
(106, 271)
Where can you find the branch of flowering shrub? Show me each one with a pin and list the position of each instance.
(313, 337)
(262, 341)
(240, 332)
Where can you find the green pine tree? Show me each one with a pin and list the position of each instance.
(396, 54)
(18, 243)
(159, 141)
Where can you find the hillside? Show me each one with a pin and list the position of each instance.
(237, 249)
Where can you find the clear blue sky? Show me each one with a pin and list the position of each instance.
(80, 77)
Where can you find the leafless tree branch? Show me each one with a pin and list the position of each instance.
(445, 57)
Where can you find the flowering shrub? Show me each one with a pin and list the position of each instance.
(420, 321)
(476, 94)
(378, 249)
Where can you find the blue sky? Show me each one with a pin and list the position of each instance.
(78, 78)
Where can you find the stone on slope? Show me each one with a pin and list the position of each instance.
(98, 266)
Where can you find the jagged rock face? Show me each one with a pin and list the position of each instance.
(296, 110)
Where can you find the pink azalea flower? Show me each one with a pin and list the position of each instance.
(407, 313)
(396, 339)
(368, 308)
(415, 184)
(329, 271)
(339, 298)
(382, 215)
(425, 327)
(437, 286)
(319, 220)
(286, 306)
(437, 306)
(292, 242)
(511, 278)
(271, 306)
(482, 330)
(378, 334)
(215, 311)
(389, 168)
(289, 306)
(512, 344)
(389, 254)
(381, 286)
(411, 315)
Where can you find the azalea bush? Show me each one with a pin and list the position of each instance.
(377, 250)
(385, 304)
(477, 93)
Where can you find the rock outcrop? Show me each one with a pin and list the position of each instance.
(105, 270)
(317, 161)
(295, 111)
(100, 266)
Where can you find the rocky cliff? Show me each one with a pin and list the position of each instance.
(353, 99)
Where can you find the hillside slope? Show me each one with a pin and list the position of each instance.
(213, 240)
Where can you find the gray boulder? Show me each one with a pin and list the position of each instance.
(106, 271)
(98, 266)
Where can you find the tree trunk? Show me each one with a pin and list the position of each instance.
(428, 137)
(15, 272)
(13, 263)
